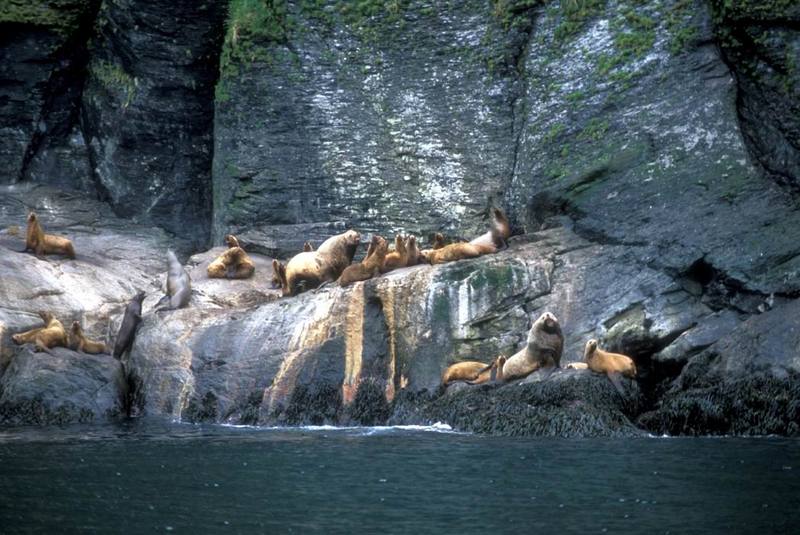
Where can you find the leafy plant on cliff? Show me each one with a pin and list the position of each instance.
(113, 77)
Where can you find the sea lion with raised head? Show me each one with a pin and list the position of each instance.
(231, 264)
(179, 285)
(130, 322)
(413, 254)
(370, 266)
(611, 364)
(79, 342)
(44, 338)
(398, 257)
(543, 349)
(307, 247)
(310, 269)
(490, 242)
(43, 244)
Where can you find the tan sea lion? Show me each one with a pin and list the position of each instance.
(490, 242)
(543, 350)
(79, 342)
(413, 255)
(130, 322)
(179, 285)
(43, 244)
(370, 266)
(605, 362)
(397, 258)
(474, 372)
(577, 366)
(310, 269)
(44, 338)
(233, 263)
(438, 241)
(307, 247)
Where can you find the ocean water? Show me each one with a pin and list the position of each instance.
(178, 478)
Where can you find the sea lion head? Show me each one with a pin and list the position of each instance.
(591, 345)
(231, 241)
(31, 217)
(548, 323)
(46, 316)
(139, 296)
(351, 240)
(438, 241)
(380, 244)
(76, 327)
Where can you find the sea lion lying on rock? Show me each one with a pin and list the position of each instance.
(473, 372)
(232, 264)
(543, 350)
(44, 338)
(130, 322)
(313, 268)
(79, 342)
(43, 244)
(179, 285)
(490, 242)
(370, 266)
(611, 364)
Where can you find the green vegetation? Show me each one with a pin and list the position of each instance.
(554, 131)
(369, 19)
(61, 16)
(251, 27)
(114, 78)
(634, 37)
(679, 25)
(595, 130)
(574, 15)
(512, 13)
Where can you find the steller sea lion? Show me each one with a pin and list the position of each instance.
(232, 264)
(44, 338)
(438, 241)
(43, 244)
(577, 366)
(79, 342)
(179, 285)
(413, 255)
(127, 329)
(611, 364)
(490, 242)
(474, 372)
(543, 350)
(397, 258)
(310, 269)
(307, 247)
(370, 266)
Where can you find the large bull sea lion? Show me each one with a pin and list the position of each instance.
(310, 269)
(543, 350)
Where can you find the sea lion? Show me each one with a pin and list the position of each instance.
(413, 255)
(307, 247)
(490, 242)
(44, 338)
(43, 244)
(543, 350)
(179, 285)
(611, 364)
(310, 269)
(398, 257)
(370, 266)
(233, 263)
(79, 342)
(438, 241)
(474, 372)
(577, 366)
(127, 329)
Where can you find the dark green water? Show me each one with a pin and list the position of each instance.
(190, 479)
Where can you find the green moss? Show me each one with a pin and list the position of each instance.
(679, 25)
(251, 27)
(512, 13)
(61, 16)
(634, 36)
(554, 131)
(574, 15)
(114, 79)
(595, 130)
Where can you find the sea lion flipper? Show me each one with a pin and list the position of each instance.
(162, 301)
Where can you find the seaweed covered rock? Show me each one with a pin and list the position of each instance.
(61, 387)
(567, 403)
(747, 383)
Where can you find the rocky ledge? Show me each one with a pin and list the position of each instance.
(373, 353)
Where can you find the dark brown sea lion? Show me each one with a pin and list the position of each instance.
(130, 322)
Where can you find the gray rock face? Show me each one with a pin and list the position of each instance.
(148, 110)
(390, 123)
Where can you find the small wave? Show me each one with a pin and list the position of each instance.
(437, 427)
